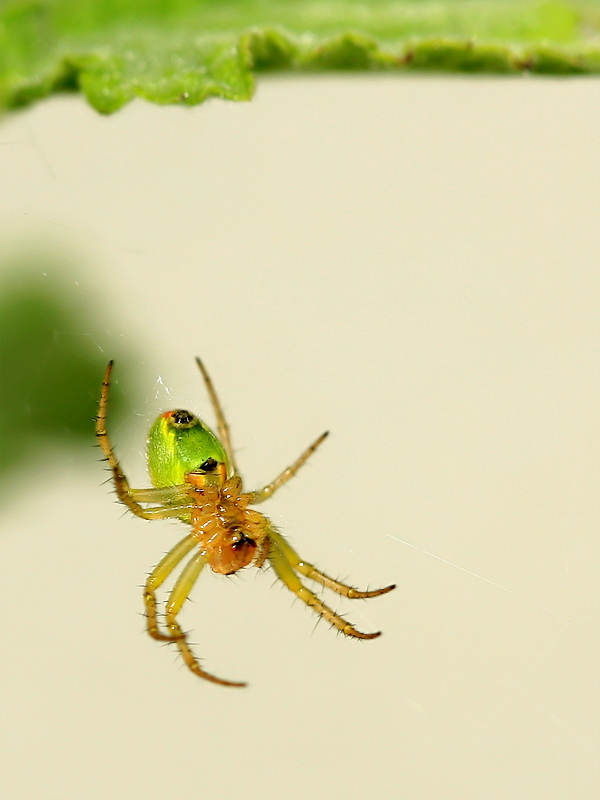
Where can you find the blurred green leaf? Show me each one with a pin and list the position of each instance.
(183, 51)
(51, 365)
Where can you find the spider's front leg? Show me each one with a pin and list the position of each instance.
(178, 500)
(120, 481)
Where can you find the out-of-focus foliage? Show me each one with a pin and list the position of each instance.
(183, 51)
(50, 362)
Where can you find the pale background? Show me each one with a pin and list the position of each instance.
(413, 264)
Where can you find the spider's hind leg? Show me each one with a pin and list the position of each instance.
(304, 568)
(285, 572)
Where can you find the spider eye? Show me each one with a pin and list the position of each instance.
(209, 465)
(182, 419)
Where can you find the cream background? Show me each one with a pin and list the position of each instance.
(413, 264)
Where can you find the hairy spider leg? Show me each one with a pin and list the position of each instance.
(172, 496)
(310, 571)
(121, 484)
(177, 496)
(157, 577)
(222, 426)
(267, 491)
(178, 596)
(224, 435)
(262, 553)
(285, 572)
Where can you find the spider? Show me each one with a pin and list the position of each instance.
(196, 480)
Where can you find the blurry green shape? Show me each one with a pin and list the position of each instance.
(51, 367)
(183, 51)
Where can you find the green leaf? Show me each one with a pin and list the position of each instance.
(183, 51)
(51, 364)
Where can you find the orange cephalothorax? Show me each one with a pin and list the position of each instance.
(228, 532)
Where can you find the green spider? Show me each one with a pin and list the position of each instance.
(196, 480)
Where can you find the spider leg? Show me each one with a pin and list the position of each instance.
(222, 426)
(178, 596)
(157, 577)
(167, 512)
(121, 485)
(285, 572)
(173, 501)
(263, 552)
(263, 494)
(304, 568)
(164, 495)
